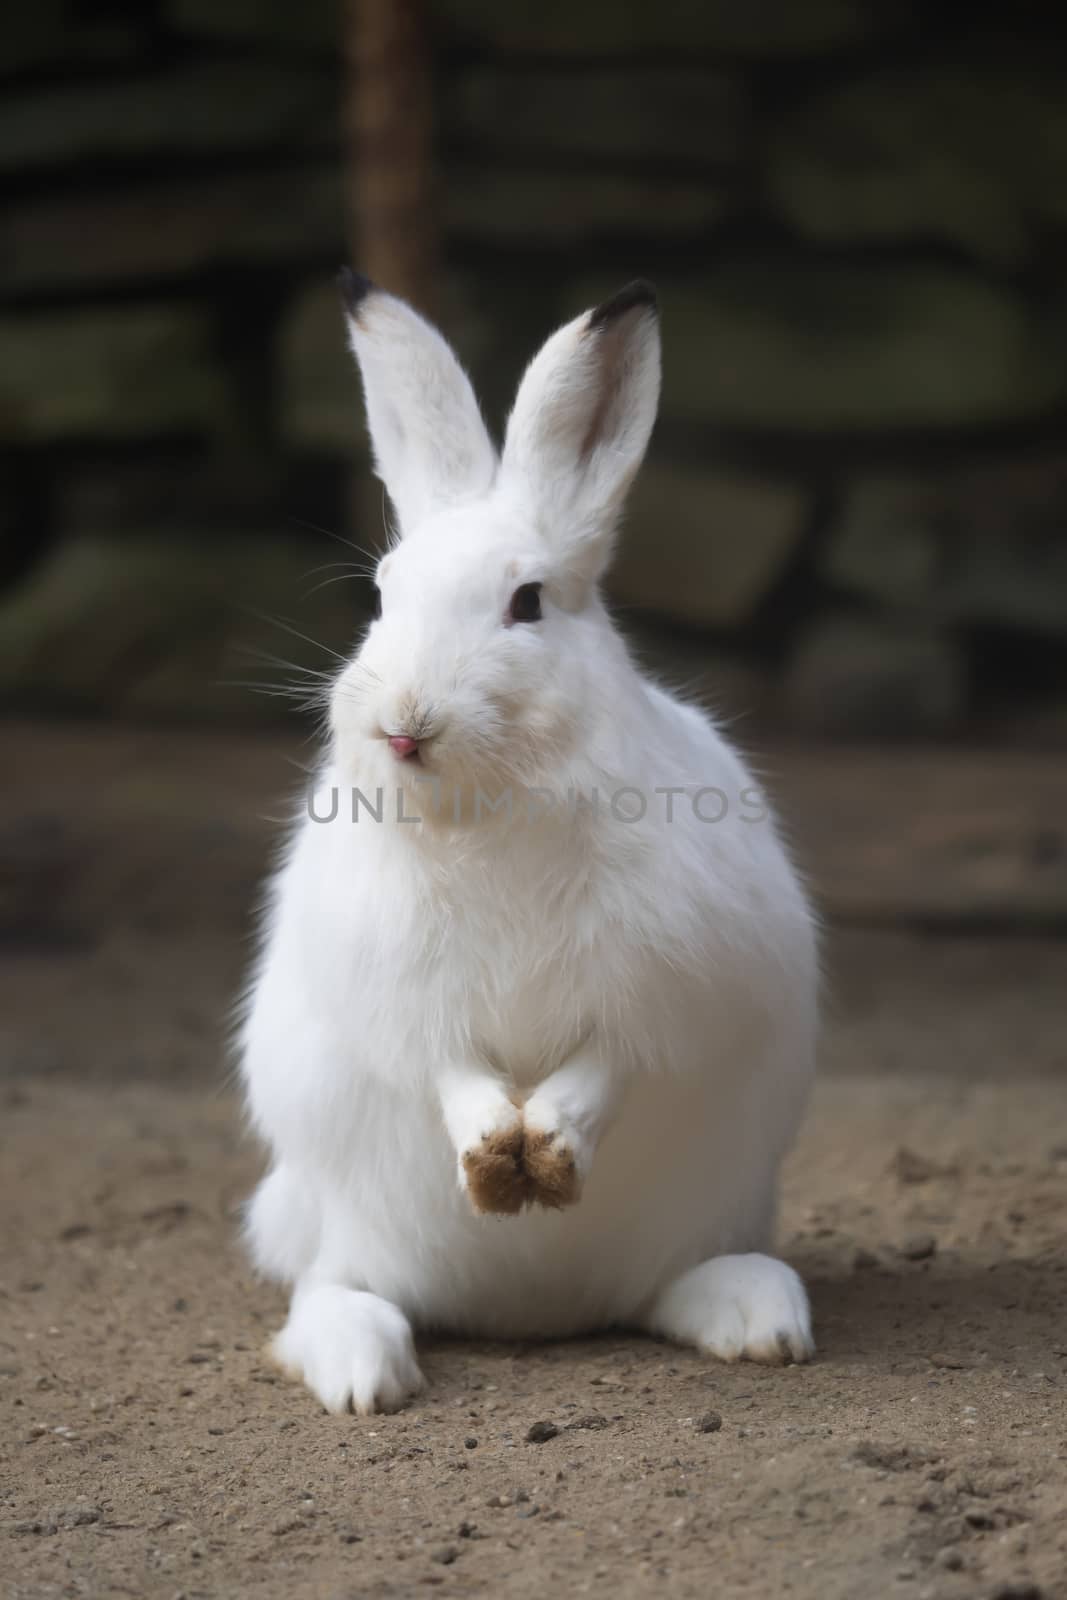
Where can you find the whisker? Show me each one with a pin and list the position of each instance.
(265, 658)
(341, 578)
(392, 530)
(356, 666)
(281, 691)
(287, 627)
(313, 527)
(349, 566)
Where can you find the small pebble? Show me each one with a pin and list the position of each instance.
(541, 1432)
(907, 1166)
(77, 1516)
(950, 1558)
(446, 1555)
(710, 1422)
(920, 1247)
(592, 1421)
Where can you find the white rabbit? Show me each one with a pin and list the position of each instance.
(559, 966)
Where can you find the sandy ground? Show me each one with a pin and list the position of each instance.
(148, 1449)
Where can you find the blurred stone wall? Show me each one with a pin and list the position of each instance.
(854, 518)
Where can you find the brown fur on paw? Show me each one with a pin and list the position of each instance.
(496, 1181)
(551, 1170)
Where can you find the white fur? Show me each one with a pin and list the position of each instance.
(643, 991)
(430, 444)
(474, 1106)
(576, 1104)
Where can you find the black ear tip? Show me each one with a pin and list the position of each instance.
(638, 293)
(354, 288)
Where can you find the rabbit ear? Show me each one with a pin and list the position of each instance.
(431, 447)
(581, 424)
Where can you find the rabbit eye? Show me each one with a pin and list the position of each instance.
(525, 604)
(376, 603)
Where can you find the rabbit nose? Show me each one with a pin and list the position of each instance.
(402, 746)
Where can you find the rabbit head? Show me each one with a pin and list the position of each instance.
(477, 668)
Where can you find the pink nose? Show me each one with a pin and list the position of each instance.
(403, 747)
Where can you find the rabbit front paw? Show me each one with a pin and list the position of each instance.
(493, 1173)
(551, 1168)
(518, 1162)
(519, 1166)
(512, 1157)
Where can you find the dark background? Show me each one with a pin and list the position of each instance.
(850, 536)
(853, 519)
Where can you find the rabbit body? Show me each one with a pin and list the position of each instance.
(600, 995)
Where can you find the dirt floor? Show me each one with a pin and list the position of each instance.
(148, 1449)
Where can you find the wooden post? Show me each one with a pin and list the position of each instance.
(388, 130)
